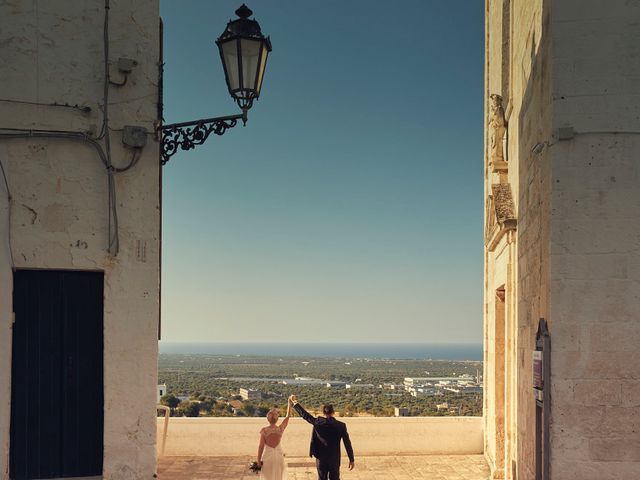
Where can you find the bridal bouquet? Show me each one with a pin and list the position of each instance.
(255, 467)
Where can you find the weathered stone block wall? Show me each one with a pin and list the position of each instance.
(595, 241)
(530, 124)
(518, 67)
(573, 64)
(53, 52)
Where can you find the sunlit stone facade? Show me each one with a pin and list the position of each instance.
(562, 240)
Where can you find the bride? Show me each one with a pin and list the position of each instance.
(270, 454)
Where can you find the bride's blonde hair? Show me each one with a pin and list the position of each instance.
(272, 415)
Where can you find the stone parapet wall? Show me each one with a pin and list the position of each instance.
(369, 436)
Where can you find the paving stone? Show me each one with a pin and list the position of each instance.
(432, 467)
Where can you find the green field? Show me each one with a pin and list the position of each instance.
(211, 381)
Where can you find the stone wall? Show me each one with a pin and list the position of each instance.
(531, 125)
(595, 241)
(573, 66)
(53, 53)
(518, 67)
(369, 436)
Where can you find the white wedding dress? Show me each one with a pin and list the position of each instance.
(273, 465)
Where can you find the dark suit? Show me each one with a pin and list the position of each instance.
(325, 443)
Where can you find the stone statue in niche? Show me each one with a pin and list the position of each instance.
(497, 130)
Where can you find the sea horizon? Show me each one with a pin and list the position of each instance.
(377, 350)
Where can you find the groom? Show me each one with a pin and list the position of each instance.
(325, 441)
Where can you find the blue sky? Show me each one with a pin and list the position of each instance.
(350, 206)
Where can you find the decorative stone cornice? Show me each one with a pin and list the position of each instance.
(500, 215)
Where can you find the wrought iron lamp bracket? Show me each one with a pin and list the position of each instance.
(188, 135)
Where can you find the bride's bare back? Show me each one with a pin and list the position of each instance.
(272, 435)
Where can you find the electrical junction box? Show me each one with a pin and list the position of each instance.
(565, 133)
(125, 65)
(133, 136)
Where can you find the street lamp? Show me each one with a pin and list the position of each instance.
(243, 51)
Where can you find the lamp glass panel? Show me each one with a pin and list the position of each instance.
(250, 58)
(230, 56)
(261, 68)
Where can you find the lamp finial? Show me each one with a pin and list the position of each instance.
(244, 11)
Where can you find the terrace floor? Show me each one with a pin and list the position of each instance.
(432, 467)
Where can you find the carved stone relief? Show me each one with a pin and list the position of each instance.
(500, 214)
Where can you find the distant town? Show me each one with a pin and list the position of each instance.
(235, 385)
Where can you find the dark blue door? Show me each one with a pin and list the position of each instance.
(57, 398)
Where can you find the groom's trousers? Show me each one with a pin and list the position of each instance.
(327, 471)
